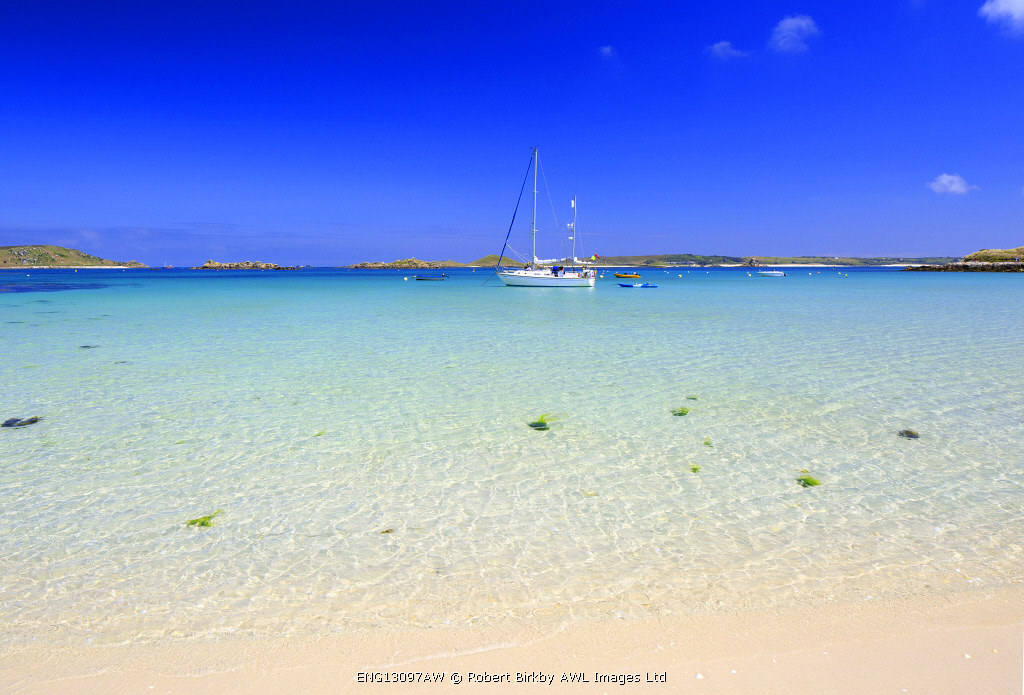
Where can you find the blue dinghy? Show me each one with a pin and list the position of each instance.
(636, 284)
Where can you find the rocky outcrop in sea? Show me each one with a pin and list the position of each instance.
(971, 267)
(244, 265)
(406, 264)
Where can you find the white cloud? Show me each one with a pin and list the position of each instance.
(608, 51)
(950, 183)
(791, 34)
(1009, 11)
(725, 51)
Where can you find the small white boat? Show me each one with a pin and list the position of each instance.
(771, 273)
(533, 275)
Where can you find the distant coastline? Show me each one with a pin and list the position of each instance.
(667, 261)
(986, 260)
(45, 256)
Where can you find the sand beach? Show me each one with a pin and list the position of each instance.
(959, 643)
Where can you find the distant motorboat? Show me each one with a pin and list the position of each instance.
(627, 275)
(433, 278)
(771, 273)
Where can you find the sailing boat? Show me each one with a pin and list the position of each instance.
(533, 275)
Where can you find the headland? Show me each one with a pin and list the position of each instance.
(983, 261)
(49, 256)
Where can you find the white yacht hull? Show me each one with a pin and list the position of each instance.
(541, 278)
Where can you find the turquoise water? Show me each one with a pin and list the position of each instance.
(321, 408)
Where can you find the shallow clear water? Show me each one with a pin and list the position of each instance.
(321, 408)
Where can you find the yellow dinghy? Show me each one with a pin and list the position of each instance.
(627, 275)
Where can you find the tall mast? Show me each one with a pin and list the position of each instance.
(533, 224)
(574, 230)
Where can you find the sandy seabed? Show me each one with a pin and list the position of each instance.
(957, 643)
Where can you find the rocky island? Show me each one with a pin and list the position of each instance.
(243, 265)
(975, 267)
(408, 264)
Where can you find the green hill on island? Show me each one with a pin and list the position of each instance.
(492, 259)
(996, 255)
(45, 255)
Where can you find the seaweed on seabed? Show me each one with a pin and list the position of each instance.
(541, 424)
(680, 411)
(694, 468)
(691, 398)
(806, 480)
(707, 442)
(203, 520)
(908, 434)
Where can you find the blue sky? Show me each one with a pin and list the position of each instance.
(336, 133)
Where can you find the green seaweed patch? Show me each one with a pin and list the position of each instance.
(320, 433)
(691, 398)
(21, 422)
(680, 411)
(204, 520)
(695, 468)
(543, 423)
(908, 434)
(707, 442)
(807, 480)
(388, 530)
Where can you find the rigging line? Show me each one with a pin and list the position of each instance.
(503, 246)
(552, 203)
(516, 253)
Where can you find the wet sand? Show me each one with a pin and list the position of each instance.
(959, 643)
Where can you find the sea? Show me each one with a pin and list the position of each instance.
(363, 440)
